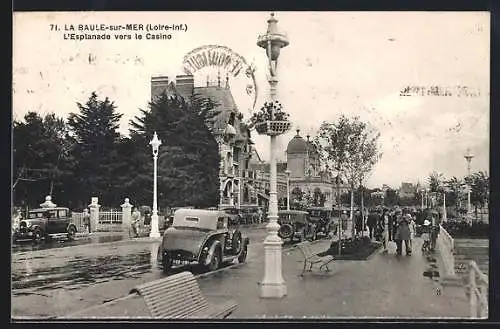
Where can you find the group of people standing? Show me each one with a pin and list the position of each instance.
(395, 225)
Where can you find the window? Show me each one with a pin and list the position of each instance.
(221, 223)
(62, 213)
(191, 219)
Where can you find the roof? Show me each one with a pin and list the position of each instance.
(199, 218)
(223, 97)
(48, 209)
(293, 212)
(299, 145)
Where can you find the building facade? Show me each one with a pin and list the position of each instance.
(237, 181)
(309, 180)
(243, 176)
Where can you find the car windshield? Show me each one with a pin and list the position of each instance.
(185, 227)
(317, 213)
(39, 214)
(292, 217)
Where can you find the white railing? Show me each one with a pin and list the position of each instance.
(446, 246)
(110, 217)
(478, 292)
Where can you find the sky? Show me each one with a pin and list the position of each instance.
(351, 63)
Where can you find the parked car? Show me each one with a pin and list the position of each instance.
(44, 223)
(322, 217)
(296, 225)
(201, 236)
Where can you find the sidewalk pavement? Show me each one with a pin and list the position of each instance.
(384, 286)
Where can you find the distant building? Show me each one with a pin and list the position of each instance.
(407, 190)
(307, 177)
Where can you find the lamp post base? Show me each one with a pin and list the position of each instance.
(155, 233)
(273, 285)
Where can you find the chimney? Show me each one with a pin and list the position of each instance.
(185, 86)
(158, 86)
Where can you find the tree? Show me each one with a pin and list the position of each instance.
(40, 161)
(96, 136)
(435, 182)
(188, 159)
(479, 190)
(391, 197)
(351, 147)
(454, 187)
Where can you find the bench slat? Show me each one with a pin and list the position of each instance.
(178, 306)
(161, 283)
(179, 296)
(177, 301)
(188, 311)
(218, 310)
(168, 291)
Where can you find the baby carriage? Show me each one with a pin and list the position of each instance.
(426, 236)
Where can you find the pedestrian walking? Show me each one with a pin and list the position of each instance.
(434, 229)
(358, 220)
(373, 218)
(86, 221)
(343, 221)
(403, 234)
(413, 227)
(390, 223)
(147, 218)
(136, 218)
(259, 215)
(385, 229)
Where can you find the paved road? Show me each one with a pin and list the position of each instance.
(54, 280)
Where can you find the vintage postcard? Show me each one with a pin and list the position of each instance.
(250, 165)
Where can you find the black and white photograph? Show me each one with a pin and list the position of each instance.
(259, 165)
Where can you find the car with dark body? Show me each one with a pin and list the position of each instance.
(45, 223)
(205, 237)
(296, 225)
(323, 218)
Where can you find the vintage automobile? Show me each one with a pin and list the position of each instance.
(295, 225)
(45, 223)
(323, 218)
(201, 236)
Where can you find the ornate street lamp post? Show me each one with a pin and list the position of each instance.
(468, 157)
(155, 145)
(273, 285)
(288, 172)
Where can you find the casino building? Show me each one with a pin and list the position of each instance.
(244, 177)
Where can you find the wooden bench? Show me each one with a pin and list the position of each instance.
(312, 259)
(178, 297)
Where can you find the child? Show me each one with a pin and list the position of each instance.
(426, 235)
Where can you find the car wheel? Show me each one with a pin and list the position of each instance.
(237, 243)
(37, 235)
(166, 262)
(243, 256)
(286, 231)
(215, 262)
(71, 233)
